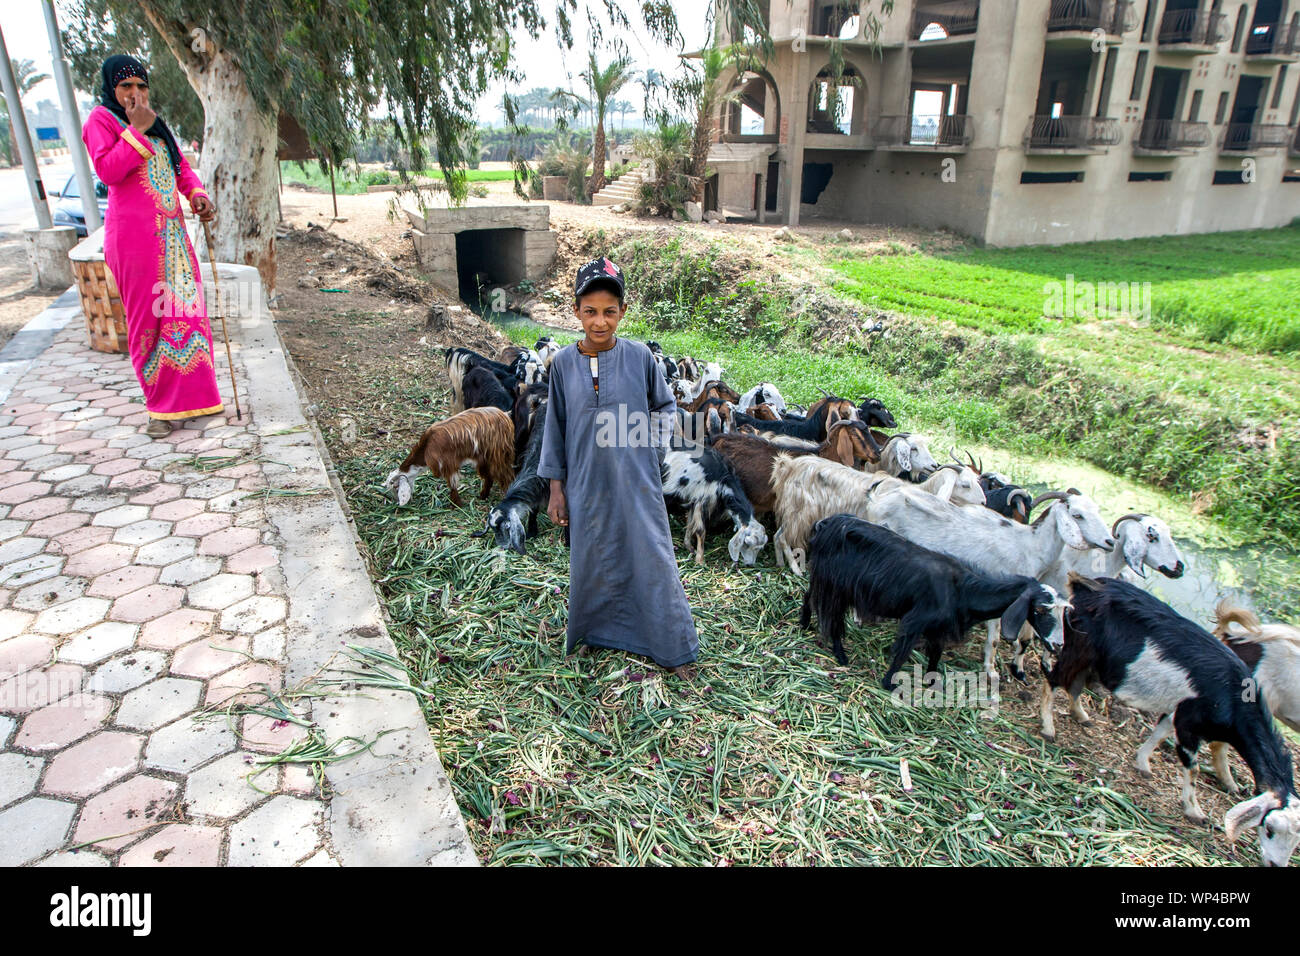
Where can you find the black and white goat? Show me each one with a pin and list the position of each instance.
(514, 520)
(460, 360)
(1154, 660)
(481, 389)
(936, 599)
(874, 413)
(699, 480)
(763, 394)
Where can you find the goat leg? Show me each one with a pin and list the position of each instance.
(1219, 759)
(1191, 808)
(1163, 730)
(1045, 715)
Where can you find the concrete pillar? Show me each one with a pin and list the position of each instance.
(801, 70)
(72, 121)
(47, 254)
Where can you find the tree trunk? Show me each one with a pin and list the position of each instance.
(239, 167)
(598, 161)
(239, 150)
(700, 155)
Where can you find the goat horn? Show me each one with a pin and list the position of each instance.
(1121, 518)
(1048, 496)
(824, 392)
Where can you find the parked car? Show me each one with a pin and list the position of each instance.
(68, 211)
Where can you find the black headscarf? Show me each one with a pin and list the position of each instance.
(114, 71)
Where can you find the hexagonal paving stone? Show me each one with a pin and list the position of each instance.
(12, 529)
(253, 615)
(57, 524)
(179, 627)
(126, 809)
(22, 653)
(84, 858)
(177, 510)
(100, 642)
(134, 481)
(128, 671)
(18, 776)
(220, 790)
(17, 494)
(121, 516)
(267, 735)
(179, 844)
(245, 681)
(270, 644)
(13, 623)
(197, 526)
(160, 493)
(48, 593)
(65, 472)
(40, 508)
(94, 504)
(191, 570)
(98, 560)
(142, 532)
(17, 548)
(147, 603)
(33, 828)
(158, 702)
(82, 487)
(23, 693)
(72, 616)
(210, 656)
(165, 552)
(80, 539)
(58, 725)
(228, 541)
(39, 567)
(114, 584)
(93, 764)
(221, 591)
(281, 833)
(7, 725)
(208, 488)
(186, 744)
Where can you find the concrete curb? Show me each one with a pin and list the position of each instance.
(394, 805)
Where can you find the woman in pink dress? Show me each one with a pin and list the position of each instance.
(148, 250)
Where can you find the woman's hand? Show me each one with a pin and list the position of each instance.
(203, 208)
(138, 112)
(558, 509)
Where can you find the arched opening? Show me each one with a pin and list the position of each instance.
(753, 108)
(837, 105)
(835, 18)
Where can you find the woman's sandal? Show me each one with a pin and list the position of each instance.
(158, 428)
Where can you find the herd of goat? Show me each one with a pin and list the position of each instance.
(883, 530)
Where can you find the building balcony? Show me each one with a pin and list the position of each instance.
(1071, 134)
(1254, 137)
(1272, 42)
(1189, 31)
(1164, 136)
(1082, 18)
(940, 21)
(951, 134)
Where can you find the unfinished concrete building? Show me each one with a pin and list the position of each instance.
(1019, 121)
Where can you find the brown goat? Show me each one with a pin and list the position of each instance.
(752, 458)
(724, 393)
(484, 437)
(763, 412)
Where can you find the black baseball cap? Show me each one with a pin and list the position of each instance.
(600, 270)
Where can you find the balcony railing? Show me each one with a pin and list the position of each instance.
(953, 18)
(1163, 135)
(1190, 28)
(1276, 39)
(1115, 17)
(949, 132)
(1252, 137)
(1072, 132)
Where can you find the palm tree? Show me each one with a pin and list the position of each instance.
(27, 78)
(707, 91)
(604, 85)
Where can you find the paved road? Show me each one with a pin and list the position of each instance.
(16, 211)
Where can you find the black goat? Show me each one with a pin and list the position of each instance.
(482, 389)
(874, 414)
(1154, 660)
(813, 428)
(936, 599)
(530, 401)
(460, 361)
(514, 520)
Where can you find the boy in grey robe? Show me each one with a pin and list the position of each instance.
(609, 417)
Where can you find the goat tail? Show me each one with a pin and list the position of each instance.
(1229, 614)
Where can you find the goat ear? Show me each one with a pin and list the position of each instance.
(1135, 551)
(733, 546)
(1013, 619)
(1248, 814)
(905, 456)
(1067, 526)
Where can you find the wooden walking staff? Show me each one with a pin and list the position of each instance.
(216, 291)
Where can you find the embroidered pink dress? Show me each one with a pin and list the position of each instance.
(149, 253)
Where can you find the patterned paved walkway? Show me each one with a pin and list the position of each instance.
(143, 612)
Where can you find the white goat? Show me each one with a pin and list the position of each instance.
(808, 489)
(765, 392)
(906, 456)
(1141, 541)
(993, 544)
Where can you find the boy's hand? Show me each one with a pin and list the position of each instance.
(558, 509)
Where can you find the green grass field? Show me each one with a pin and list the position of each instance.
(1238, 288)
(348, 184)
